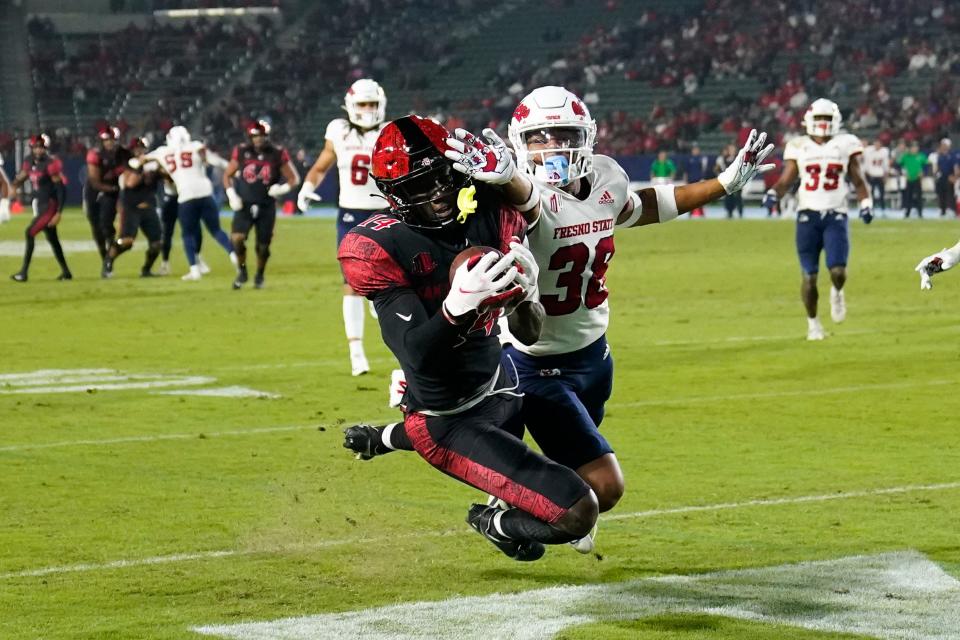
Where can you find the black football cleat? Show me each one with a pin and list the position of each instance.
(241, 278)
(365, 441)
(66, 275)
(19, 276)
(480, 517)
(258, 281)
(106, 272)
(147, 274)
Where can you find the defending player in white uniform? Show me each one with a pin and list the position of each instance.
(567, 375)
(349, 145)
(822, 160)
(184, 161)
(4, 194)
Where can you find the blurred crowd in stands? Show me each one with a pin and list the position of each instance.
(894, 66)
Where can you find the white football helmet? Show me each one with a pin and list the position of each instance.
(178, 136)
(549, 108)
(825, 128)
(365, 90)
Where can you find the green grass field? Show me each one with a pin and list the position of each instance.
(129, 514)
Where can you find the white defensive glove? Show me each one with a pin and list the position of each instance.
(491, 283)
(306, 196)
(529, 271)
(134, 163)
(398, 386)
(4, 210)
(747, 164)
(279, 190)
(234, 199)
(486, 160)
(151, 165)
(941, 261)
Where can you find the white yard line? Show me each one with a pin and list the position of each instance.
(158, 437)
(224, 553)
(881, 386)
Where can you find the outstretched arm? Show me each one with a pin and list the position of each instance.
(663, 203)
(933, 264)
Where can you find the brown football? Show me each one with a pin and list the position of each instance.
(470, 255)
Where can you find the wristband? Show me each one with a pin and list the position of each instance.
(666, 202)
(636, 213)
(281, 189)
(866, 203)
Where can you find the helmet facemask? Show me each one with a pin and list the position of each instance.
(822, 119)
(427, 196)
(365, 104)
(559, 155)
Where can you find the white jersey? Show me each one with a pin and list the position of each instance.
(572, 242)
(186, 168)
(823, 170)
(354, 151)
(876, 162)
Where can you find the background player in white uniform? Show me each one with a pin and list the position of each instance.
(822, 159)
(349, 145)
(184, 161)
(567, 375)
(4, 194)
(876, 165)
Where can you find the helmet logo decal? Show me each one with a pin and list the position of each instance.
(521, 112)
(577, 108)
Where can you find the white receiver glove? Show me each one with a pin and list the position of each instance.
(306, 195)
(486, 160)
(941, 261)
(491, 283)
(279, 190)
(233, 198)
(4, 210)
(529, 271)
(747, 164)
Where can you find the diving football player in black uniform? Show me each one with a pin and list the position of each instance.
(459, 395)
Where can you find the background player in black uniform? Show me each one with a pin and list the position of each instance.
(45, 173)
(261, 166)
(444, 334)
(105, 165)
(138, 210)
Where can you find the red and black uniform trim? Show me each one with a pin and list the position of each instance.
(49, 196)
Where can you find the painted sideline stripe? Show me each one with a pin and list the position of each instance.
(639, 403)
(225, 553)
(160, 436)
(782, 394)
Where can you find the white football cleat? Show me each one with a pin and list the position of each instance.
(838, 305)
(204, 269)
(358, 359)
(815, 330)
(586, 543)
(164, 269)
(193, 275)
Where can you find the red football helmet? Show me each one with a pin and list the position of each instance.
(41, 140)
(109, 133)
(258, 128)
(410, 169)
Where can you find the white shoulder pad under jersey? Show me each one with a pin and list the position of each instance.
(354, 150)
(573, 243)
(186, 168)
(823, 170)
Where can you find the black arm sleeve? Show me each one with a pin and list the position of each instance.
(414, 337)
(60, 194)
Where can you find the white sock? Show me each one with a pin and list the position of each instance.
(813, 323)
(835, 293)
(353, 318)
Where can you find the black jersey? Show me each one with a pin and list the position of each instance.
(405, 271)
(144, 195)
(257, 170)
(41, 172)
(112, 163)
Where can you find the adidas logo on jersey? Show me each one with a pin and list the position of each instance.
(606, 198)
